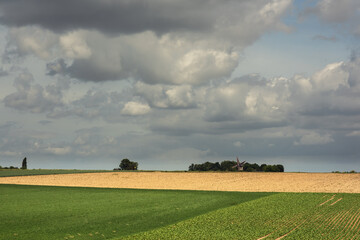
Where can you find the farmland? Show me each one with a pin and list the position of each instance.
(30, 172)
(38, 212)
(283, 215)
(323, 206)
(209, 181)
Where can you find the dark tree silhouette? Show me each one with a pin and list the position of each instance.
(229, 166)
(24, 164)
(126, 164)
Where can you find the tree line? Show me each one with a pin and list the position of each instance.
(23, 165)
(230, 166)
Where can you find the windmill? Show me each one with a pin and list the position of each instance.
(239, 165)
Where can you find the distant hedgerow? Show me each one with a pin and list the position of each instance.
(229, 166)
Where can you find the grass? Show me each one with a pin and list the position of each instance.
(290, 215)
(40, 212)
(28, 172)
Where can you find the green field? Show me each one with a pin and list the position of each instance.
(282, 215)
(39, 212)
(28, 172)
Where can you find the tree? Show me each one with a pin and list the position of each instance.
(24, 164)
(126, 164)
(192, 167)
(209, 166)
(216, 167)
(273, 168)
(231, 166)
(280, 167)
(228, 166)
(263, 167)
(251, 167)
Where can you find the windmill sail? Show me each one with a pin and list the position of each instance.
(239, 165)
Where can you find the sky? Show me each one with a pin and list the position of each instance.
(167, 83)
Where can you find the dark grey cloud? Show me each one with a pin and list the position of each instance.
(110, 16)
(159, 41)
(342, 14)
(45, 122)
(112, 107)
(334, 91)
(17, 146)
(167, 97)
(89, 70)
(328, 104)
(16, 141)
(338, 12)
(248, 99)
(34, 97)
(56, 67)
(3, 73)
(156, 64)
(87, 107)
(5, 127)
(354, 70)
(184, 127)
(250, 79)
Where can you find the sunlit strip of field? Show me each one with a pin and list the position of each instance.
(208, 181)
(278, 216)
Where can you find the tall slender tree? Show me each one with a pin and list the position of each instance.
(24, 164)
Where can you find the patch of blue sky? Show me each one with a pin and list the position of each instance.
(307, 48)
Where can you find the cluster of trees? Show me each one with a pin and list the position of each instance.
(229, 166)
(352, 171)
(11, 167)
(126, 164)
(23, 165)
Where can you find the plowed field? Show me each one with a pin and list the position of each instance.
(238, 181)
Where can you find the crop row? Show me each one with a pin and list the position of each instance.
(279, 216)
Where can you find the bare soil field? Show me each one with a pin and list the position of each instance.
(234, 181)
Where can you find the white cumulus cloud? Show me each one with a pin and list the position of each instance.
(135, 109)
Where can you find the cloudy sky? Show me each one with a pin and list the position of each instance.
(167, 83)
